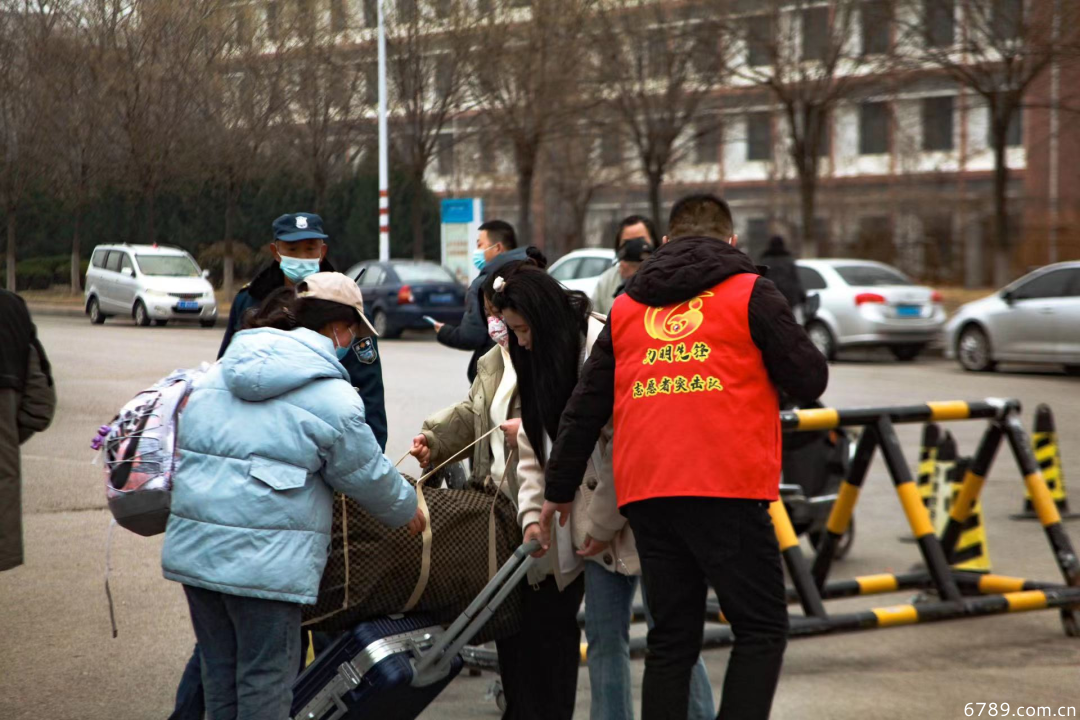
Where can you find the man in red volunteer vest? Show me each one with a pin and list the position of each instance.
(690, 365)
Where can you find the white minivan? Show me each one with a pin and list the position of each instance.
(149, 283)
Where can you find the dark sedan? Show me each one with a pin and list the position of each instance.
(399, 293)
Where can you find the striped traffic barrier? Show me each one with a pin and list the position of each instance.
(1044, 442)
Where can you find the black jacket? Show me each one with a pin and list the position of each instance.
(780, 268)
(472, 333)
(364, 363)
(678, 272)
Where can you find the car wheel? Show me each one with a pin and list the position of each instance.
(382, 326)
(208, 323)
(1072, 370)
(161, 323)
(973, 350)
(822, 338)
(906, 353)
(142, 317)
(96, 316)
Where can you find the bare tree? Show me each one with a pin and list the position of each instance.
(808, 57)
(26, 29)
(157, 56)
(996, 50)
(655, 67)
(524, 75)
(242, 104)
(427, 50)
(330, 92)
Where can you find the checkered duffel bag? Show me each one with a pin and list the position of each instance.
(373, 570)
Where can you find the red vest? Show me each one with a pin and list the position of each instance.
(695, 412)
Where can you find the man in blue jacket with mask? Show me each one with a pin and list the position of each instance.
(299, 250)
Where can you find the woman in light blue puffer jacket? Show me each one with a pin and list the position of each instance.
(267, 435)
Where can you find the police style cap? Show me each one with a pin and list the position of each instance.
(299, 226)
(338, 288)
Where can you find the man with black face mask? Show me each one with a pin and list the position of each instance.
(634, 243)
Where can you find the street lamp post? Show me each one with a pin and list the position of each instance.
(384, 170)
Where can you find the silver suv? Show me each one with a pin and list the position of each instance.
(149, 283)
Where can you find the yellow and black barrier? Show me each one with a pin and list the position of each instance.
(1044, 442)
(947, 553)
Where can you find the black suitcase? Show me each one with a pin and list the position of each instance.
(392, 668)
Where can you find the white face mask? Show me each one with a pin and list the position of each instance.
(497, 331)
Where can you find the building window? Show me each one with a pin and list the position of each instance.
(444, 77)
(486, 7)
(873, 128)
(371, 13)
(445, 155)
(272, 15)
(657, 54)
(1014, 136)
(371, 83)
(406, 9)
(815, 33)
(939, 18)
(611, 150)
(707, 55)
(339, 18)
(1008, 17)
(757, 236)
(759, 144)
(876, 27)
(760, 39)
(937, 123)
(707, 143)
(443, 8)
(825, 136)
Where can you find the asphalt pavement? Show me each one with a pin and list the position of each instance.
(59, 659)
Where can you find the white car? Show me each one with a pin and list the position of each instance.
(149, 283)
(1034, 320)
(865, 303)
(581, 269)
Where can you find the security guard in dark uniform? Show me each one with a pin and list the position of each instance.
(299, 250)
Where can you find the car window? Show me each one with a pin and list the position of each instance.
(373, 276)
(167, 265)
(870, 275)
(422, 272)
(567, 270)
(1055, 283)
(113, 263)
(591, 267)
(811, 279)
(98, 260)
(125, 263)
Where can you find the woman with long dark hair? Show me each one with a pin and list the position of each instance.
(552, 333)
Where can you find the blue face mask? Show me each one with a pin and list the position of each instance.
(478, 259)
(341, 352)
(298, 269)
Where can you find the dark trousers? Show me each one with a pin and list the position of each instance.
(683, 543)
(539, 665)
(250, 652)
(189, 694)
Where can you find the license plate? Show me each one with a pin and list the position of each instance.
(187, 305)
(441, 298)
(908, 310)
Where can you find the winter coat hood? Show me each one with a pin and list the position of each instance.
(265, 363)
(684, 268)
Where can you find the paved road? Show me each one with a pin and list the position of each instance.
(59, 661)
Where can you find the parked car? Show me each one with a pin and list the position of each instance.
(864, 303)
(1034, 320)
(581, 269)
(150, 283)
(399, 293)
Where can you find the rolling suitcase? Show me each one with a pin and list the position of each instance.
(393, 667)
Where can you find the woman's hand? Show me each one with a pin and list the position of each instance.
(532, 532)
(420, 450)
(418, 523)
(592, 547)
(510, 430)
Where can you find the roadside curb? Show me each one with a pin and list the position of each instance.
(55, 310)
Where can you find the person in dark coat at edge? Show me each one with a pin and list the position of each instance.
(299, 250)
(695, 350)
(780, 268)
(496, 245)
(27, 405)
